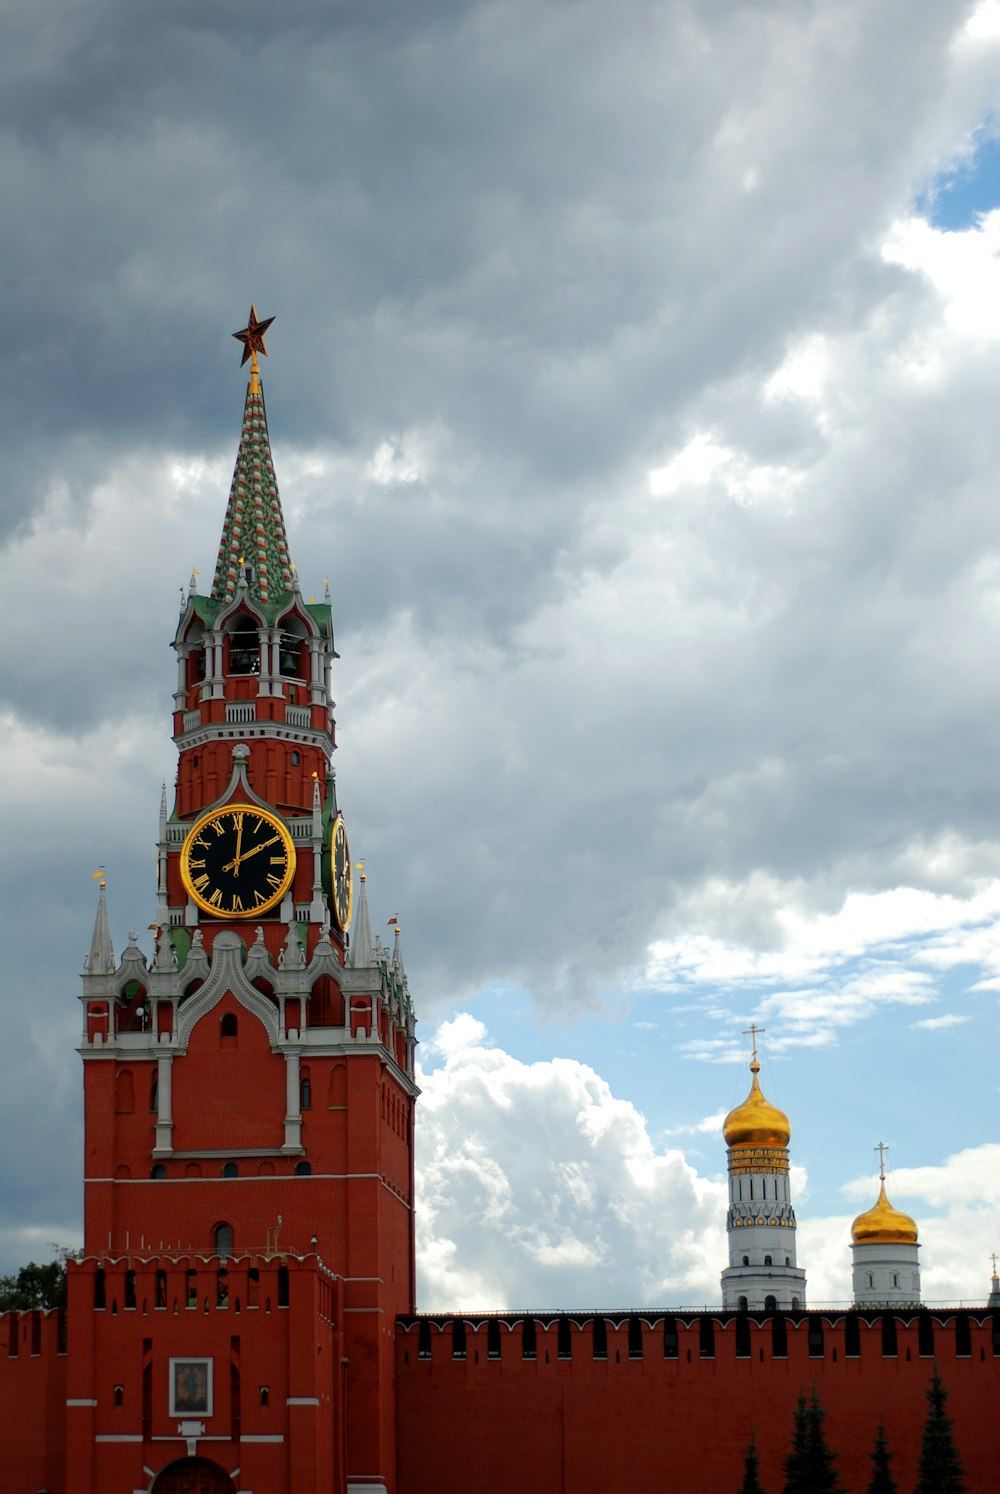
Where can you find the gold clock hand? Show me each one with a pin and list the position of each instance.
(253, 852)
(239, 842)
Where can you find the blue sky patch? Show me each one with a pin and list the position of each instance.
(956, 199)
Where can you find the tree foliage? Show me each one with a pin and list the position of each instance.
(36, 1285)
(940, 1469)
(809, 1467)
(751, 1482)
(881, 1481)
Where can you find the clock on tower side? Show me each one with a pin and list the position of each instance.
(250, 1090)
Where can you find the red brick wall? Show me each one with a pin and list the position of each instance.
(586, 1426)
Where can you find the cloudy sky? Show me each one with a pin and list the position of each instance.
(634, 382)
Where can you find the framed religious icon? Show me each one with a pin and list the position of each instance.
(190, 1387)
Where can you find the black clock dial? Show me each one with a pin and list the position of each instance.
(341, 882)
(238, 862)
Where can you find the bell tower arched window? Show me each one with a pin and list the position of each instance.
(292, 649)
(244, 646)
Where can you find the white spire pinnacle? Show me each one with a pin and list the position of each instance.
(101, 960)
(361, 940)
(397, 953)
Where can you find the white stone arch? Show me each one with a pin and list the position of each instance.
(227, 974)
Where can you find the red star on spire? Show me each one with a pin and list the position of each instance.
(252, 336)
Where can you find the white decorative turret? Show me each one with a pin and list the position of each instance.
(884, 1246)
(762, 1270)
(362, 956)
(101, 960)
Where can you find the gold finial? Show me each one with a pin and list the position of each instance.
(881, 1147)
(99, 876)
(359, 867)
(252, 338)
(751, 1032)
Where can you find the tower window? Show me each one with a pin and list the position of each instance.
(224, 1240)
(230, 1170)
(305, 1091)
(158, 1172)
(746, 1260)
(124, 1092)
(244, 649)
(296, 759)
(291, 654)
(303, 1169)
(742, 1304)
(768, 1261)
(229, 1029)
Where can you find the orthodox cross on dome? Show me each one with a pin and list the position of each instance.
(751, 1032)
(881, 1147)
(993, 1258)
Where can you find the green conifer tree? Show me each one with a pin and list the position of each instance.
(809, 1467)
(751, 1482)
(881, 1481)
(940, 1470)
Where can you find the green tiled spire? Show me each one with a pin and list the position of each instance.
(254, 526)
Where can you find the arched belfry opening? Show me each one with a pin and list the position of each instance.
(243, 640)
(194, 1476)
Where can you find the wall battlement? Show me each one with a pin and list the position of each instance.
(582, 1401)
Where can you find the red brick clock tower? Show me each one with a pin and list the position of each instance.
(250, 1093)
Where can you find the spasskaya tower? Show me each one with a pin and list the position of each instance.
(249, 1091)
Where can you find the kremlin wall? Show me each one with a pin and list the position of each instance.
(243, 1316)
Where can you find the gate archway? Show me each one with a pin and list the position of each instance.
(193, 1476)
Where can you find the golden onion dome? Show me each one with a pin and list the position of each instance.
(883, 1225)
(756, 1122)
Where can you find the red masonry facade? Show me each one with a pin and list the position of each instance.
(243, 1314)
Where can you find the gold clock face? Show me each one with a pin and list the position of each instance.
(341, 882)
(237, 862)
